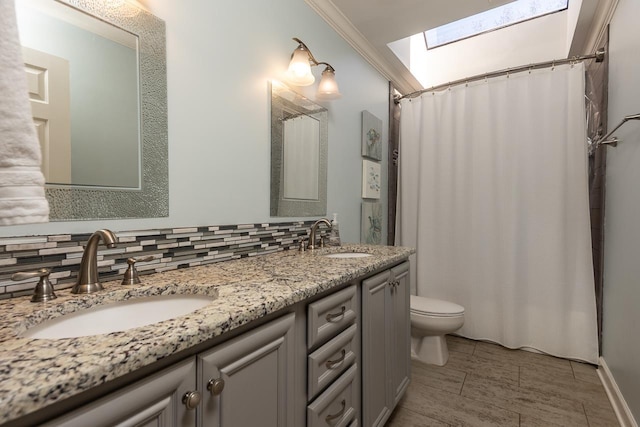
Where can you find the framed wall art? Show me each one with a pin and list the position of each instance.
(371, 136)
(371, 223)
(371, 180)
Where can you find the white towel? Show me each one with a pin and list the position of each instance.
(22, 198)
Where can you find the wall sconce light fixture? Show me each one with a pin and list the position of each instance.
(299, 72)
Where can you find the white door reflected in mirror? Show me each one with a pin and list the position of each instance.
(48, 85)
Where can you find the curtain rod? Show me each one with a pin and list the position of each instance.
(598, 56)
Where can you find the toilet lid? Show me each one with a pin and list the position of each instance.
(435, 307)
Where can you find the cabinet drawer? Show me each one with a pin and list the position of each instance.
(336, 406)
(329, 361)
(330, 315)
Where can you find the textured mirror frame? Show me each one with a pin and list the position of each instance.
(285, 101)
(152, 199)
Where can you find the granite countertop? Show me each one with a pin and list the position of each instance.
(37, 372)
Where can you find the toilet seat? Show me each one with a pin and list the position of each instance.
(435, 307)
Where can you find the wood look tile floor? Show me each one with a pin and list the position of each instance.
(485, 384)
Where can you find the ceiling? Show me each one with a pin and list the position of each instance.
(384, 21)
(369, 25)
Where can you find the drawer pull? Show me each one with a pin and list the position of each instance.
(215, 386)
(332, 316)
(333, 417)
(191, 399)
(332, 364)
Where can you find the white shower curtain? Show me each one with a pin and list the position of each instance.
(493, 195)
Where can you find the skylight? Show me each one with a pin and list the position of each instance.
(503, 16)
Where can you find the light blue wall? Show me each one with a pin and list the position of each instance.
(220, 56)
(621, 346)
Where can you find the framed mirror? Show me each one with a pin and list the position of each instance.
(96, 72)
(299, 150)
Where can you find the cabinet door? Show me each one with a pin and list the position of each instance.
(375, 317)
(154, 401)
(248, 381)
(400, 359)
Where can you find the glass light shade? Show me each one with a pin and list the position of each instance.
(299, 72)
(328, 87)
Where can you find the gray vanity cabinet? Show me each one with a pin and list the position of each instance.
(153, 401)
(249, 380)
(385, 343)
(341, 359)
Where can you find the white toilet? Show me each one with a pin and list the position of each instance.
(431, 319)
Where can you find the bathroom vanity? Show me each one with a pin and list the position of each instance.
(292, 339)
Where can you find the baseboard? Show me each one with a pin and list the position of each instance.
(625, 417)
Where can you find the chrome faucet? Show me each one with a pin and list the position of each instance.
(88, 275)
(312, 233)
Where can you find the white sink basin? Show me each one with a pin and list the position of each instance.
(118, 316)
(348, 255)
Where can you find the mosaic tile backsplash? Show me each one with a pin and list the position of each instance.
(171, 248)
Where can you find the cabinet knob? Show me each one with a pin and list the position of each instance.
(191, 399)
(215, 386)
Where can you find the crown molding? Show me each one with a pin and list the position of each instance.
(401, 78)
(598, 28)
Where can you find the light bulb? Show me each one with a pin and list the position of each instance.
(328, 87)
(299, 72)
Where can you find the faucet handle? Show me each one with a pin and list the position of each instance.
(44, 289)
(131, 275)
